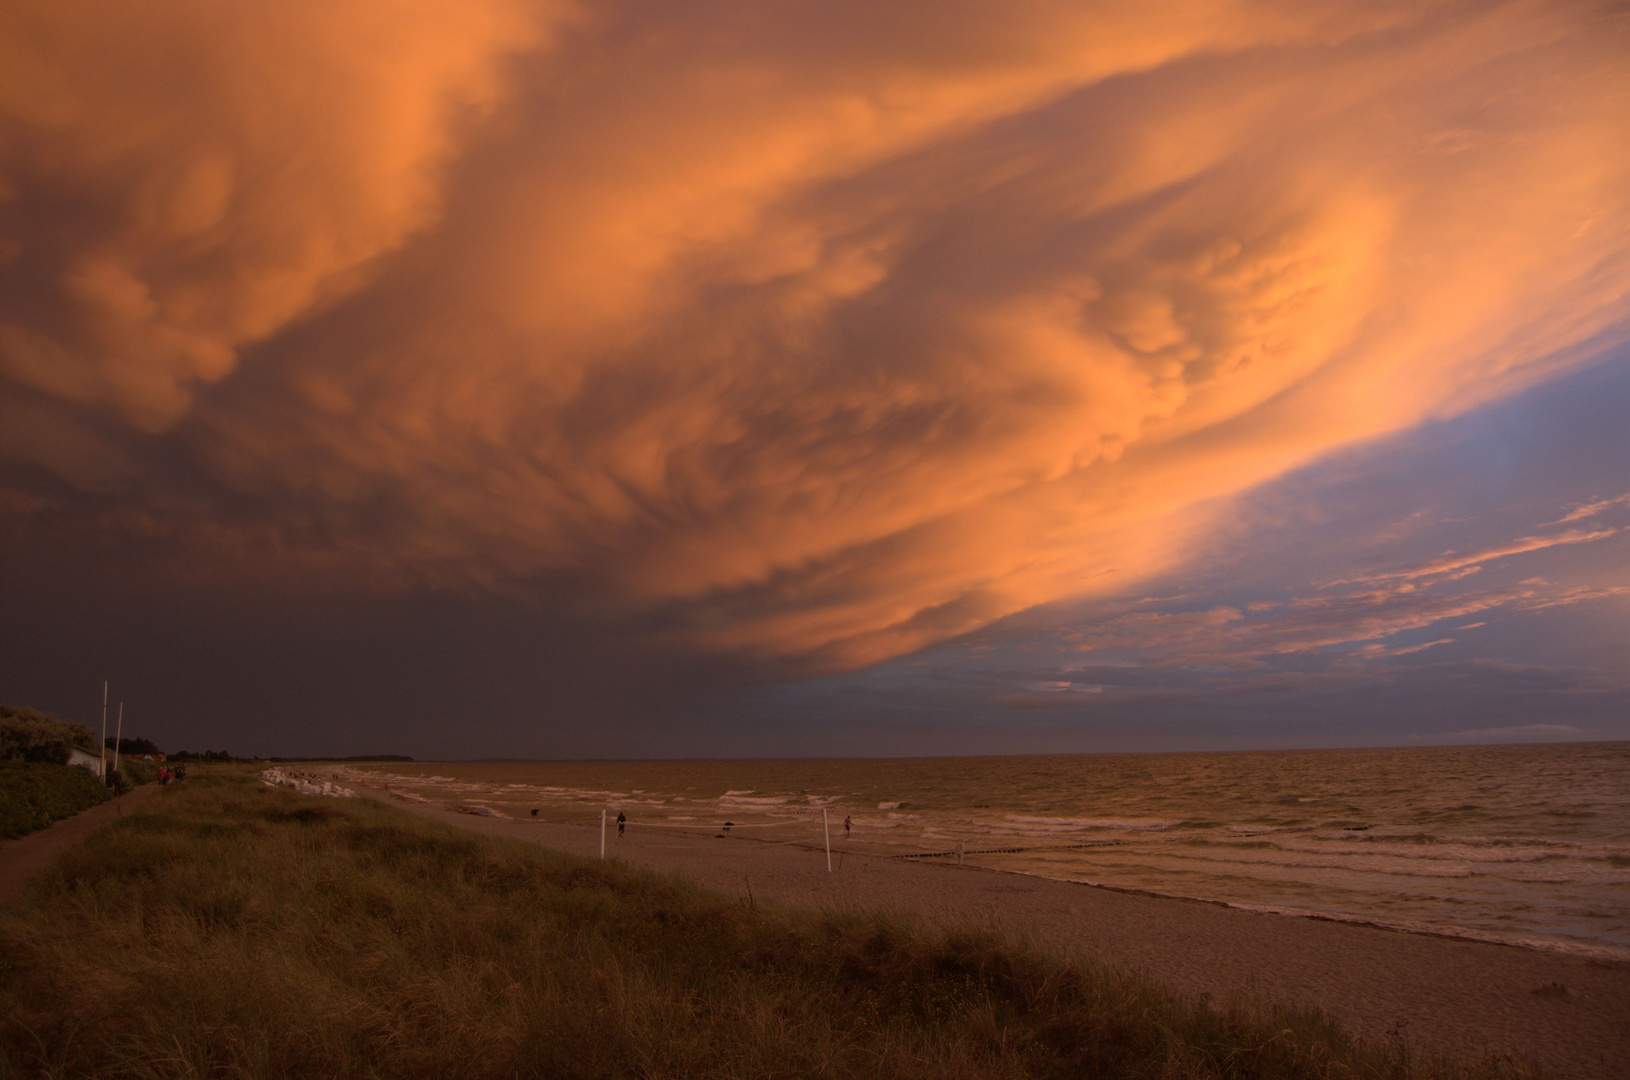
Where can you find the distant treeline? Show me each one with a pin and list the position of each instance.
(137, 746)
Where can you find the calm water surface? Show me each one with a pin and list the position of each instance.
(1525, 844)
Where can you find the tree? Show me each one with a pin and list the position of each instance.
(30, 735)
(137, 746)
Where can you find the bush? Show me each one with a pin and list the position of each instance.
(30, 735)
(131, 773)
(135, 746)
(34, 794)
(220, 756)
(139, 772)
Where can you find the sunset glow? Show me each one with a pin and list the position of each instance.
(790, 339)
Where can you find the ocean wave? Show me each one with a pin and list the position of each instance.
(1255, 862)
(1529, 840)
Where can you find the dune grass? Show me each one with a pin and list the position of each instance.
(231, 929)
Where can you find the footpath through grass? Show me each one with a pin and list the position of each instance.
(231, 929)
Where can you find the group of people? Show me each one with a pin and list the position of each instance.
(171, 772)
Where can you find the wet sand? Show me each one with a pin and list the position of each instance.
(1570, 1014)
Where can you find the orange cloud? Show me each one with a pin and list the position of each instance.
(817, 329)
(1591, 509)
(194, 176)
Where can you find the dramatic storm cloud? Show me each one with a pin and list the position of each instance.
(802, 333)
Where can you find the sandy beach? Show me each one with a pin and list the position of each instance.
(1570, 1014)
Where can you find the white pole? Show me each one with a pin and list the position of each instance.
(102, 749)
(118, 734)
(602, 835)
(828, 833)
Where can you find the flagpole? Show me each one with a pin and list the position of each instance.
(102, 750)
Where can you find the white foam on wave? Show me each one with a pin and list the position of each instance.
(1069, 824)
(729, 799)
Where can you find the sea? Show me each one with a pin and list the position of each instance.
(1527, 845)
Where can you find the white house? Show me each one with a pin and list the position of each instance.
(85, 759)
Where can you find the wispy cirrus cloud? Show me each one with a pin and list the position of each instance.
(1591, 509)
(1458, 563)
(1364, 612)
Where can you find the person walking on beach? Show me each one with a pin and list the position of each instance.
(848, 823)
(622, 819)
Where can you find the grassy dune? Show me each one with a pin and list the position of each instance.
(229, 929)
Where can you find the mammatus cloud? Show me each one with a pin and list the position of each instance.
(814, 330)
(183, 180)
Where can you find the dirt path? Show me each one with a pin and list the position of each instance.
(23, 858)
(1569, 1013)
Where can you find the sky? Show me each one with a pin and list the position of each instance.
(522, 378)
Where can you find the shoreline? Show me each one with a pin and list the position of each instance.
(1603, 953)
(1439, 993)
(1431, 859)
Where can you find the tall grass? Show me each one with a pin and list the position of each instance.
(230, 929)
